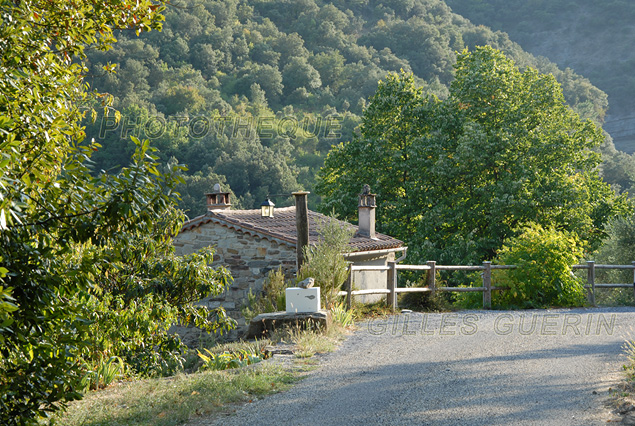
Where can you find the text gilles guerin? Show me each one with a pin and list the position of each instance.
(452, 324)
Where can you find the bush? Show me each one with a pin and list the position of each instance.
(272, 299)
(424, 302)
(135, 332)
(474, 300)
(140, 289)
(325, 262)
(543, 277)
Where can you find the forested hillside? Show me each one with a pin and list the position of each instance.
(594, 38)
(254, 94)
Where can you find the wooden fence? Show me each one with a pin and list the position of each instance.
(431, 267)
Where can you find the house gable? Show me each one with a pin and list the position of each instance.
(248, 257)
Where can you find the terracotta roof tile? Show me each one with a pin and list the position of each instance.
(282, 227)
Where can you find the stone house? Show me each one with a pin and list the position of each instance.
(251, 245)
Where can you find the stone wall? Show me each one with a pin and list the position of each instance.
(249, 259)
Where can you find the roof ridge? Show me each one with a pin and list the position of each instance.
(282, 227)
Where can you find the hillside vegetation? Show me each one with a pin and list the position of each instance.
(593, 38)
(462, 149)
(201, 87)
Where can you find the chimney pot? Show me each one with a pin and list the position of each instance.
(218, 200)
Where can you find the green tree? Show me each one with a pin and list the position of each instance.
(51, 202)
(298, 73)
(455, 178)
(181, 98)
(330, 66)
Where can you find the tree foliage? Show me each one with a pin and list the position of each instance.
(53, 204)
(141, 288)
(311, 59)
(455, 178)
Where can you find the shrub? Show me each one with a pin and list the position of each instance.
(136, 332)
(272, 299)
(543, 277)
(140, 289)
(325, 261)
(424, 302)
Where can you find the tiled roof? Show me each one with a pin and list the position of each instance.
(282, 227)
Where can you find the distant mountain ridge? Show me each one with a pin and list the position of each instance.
(594, 38)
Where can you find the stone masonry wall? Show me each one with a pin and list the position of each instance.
(249, 259)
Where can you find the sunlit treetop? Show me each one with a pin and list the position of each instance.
(43, 98)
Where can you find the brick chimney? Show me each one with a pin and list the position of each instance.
(218, 200)
(366, 209)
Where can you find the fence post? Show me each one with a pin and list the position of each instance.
(349, 287)
(633, 263)
(487, 285)
(432, 275)
(391, 299)
(591, 280)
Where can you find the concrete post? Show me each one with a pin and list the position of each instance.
(302, 224)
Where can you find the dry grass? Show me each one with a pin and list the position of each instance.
(623, 395)
(186, 397)
(309, 342)
(175, 400)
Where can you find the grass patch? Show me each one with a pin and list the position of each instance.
(185, 397)
(623, 398)
(175, 400)
(309, 342)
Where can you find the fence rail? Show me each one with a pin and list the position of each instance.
(431, 267)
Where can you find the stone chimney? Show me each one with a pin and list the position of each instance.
(366, 209)
(218, 200)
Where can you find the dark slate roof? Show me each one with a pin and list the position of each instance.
(282, 227)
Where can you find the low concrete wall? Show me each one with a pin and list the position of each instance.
(364, 280)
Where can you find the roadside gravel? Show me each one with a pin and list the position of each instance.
(468, 368)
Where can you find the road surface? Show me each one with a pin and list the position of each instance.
(469, 368)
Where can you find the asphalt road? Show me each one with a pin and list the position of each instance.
(469, 368)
